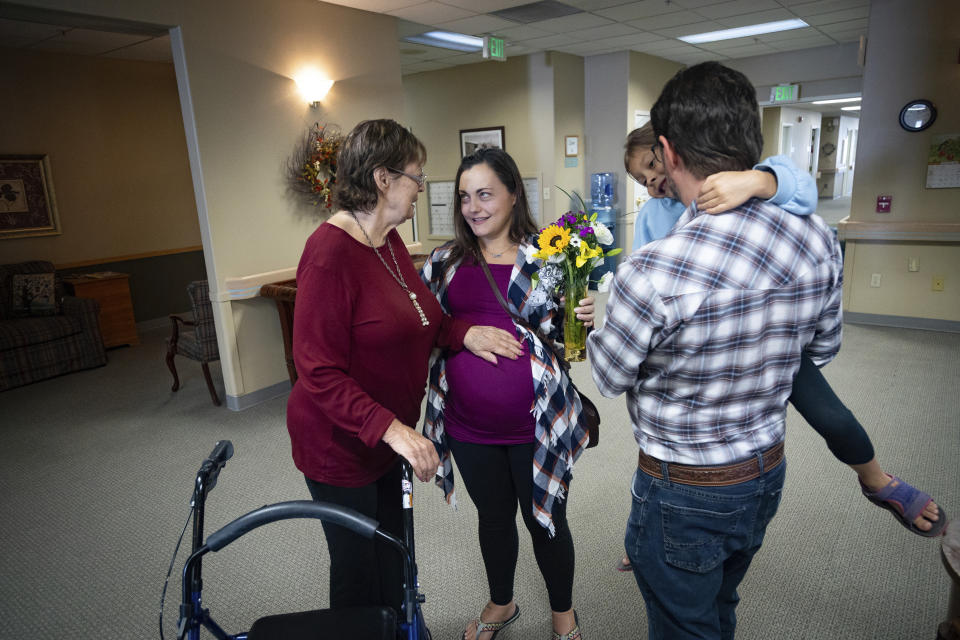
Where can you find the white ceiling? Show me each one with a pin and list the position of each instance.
(600, 26)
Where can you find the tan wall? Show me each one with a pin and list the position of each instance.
(891, 161)
(114, 135)
(243, 116)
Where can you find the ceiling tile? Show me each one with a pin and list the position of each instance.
(802, 43)
(849, 25)
(420, 52)
(848, 36)
(593, 5)
(607, 31)
(571, 23)
(736, 8)
(12, 31)
(550, 41)
(793, 34)
(630, 41)
(654, 23)
(478, 24)
(666, 47)
(376, 6)
(424, 66)
(520, 33)
(759, 17)
(406, 28)
(696, 4)
(755, 49)
(486, 6)
(151, 50)
(431, 13)
(838, 16)
(690, 29)
(826, 6)
(635, 10)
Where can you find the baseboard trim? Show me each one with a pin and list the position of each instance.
(247, 400)
(903, 322)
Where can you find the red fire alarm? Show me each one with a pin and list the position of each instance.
(884, 203)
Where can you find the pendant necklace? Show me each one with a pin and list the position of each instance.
(398, 276)
(497, 255)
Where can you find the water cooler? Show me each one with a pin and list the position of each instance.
(603, 200)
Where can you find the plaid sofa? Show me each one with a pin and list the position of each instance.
(33, 348)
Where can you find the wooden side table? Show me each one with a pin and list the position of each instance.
(112, 291)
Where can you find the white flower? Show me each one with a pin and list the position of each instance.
(575, 241)
(529, 251)
(603, 234)
(557, 258)
(604, 285)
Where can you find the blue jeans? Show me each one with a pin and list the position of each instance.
(691, 546)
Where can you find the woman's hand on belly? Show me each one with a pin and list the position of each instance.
(490, 342)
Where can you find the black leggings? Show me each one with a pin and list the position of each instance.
(363, 572)
(823, 410)
(498, 478)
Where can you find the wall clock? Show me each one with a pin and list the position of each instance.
(917, 115)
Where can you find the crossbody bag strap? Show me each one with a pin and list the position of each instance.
(496, 290)
(544, 340)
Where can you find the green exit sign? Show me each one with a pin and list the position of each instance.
(785, 93)
(493, 48)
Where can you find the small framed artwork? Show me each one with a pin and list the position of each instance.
(571, 145)
(473, 139)
(27, 203)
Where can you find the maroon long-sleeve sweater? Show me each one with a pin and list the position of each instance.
(361, 354)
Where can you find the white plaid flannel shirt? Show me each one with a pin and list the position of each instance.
(704, 330)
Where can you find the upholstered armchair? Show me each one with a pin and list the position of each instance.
(198, 338)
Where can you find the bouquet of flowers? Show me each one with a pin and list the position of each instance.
(569, 250)
(312, 170)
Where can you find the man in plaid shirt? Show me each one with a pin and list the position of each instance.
(703, 332)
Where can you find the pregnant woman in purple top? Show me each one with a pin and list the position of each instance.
(515, 428)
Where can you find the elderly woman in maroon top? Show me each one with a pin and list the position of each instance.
(364, 328)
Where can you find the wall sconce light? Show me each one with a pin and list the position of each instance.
(313, 86)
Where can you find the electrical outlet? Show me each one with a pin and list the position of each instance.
(913, 264)
(875, 280)
(546, 193)
(937, 284)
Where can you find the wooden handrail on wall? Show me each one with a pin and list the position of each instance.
(948, 232)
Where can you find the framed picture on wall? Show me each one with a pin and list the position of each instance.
(473, 139)
(27, 203)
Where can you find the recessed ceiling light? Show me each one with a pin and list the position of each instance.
(856, 108)
(743, 32)
(836, 101)
(448, 40)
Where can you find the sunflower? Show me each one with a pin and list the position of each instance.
(553, 240)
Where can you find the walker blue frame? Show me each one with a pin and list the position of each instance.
(192, 614)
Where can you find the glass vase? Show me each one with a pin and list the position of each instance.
(574, 331)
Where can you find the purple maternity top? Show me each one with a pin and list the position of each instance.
(486, 403)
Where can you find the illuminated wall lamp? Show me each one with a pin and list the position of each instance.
(313, 86)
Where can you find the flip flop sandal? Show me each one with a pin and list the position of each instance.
(906, 503)
(624, 566)
(495, 627)
(574, 633)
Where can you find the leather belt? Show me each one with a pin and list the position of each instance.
(714, 475)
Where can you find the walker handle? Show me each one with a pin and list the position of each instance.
(349, 518)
